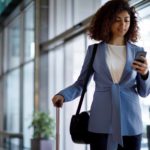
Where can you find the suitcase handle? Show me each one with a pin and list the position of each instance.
(57, 128)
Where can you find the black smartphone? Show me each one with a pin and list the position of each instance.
(139, 54)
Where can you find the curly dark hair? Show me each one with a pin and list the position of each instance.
(100, 25)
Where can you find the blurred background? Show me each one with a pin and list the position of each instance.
(42, 47)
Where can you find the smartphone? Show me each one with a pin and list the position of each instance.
(139, 54)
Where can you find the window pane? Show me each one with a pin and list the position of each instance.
(28, 101)
(29, 34)
(1, 53)
(60, 13)
(12, 104)
(51, 79)
(81, 11)
(5, 59)
(59, 78)
(74, 56)
(13, 101)
(56, 82)
(69, 14)
(60, 16)
(51, 87)
(52, 18)
(2, 108)
(97, 4)
(13, 42)
(103, 2)
(63, 14)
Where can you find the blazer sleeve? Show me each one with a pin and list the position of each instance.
(75, 90)
(143, 85)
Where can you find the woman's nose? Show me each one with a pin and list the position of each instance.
(122, 23)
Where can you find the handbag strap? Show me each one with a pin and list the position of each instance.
(89, 71)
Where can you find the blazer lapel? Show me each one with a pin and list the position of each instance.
(104, 49)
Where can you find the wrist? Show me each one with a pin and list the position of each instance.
(145, 76)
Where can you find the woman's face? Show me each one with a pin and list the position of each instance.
(121, 24)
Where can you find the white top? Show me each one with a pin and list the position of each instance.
(116, 59)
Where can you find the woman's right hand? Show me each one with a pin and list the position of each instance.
(58, 100)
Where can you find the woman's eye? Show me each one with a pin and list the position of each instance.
(117, 20)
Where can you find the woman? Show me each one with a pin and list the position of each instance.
(115, 119)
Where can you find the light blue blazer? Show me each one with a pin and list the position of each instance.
(115, 108)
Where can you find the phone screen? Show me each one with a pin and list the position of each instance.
(139, 54)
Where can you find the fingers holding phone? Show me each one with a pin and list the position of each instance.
(140, 63)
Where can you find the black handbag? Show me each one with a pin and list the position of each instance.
(79, 122)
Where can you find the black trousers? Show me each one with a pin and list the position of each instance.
(99, 142)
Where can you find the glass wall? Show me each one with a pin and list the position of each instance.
(28, 103)
(1, 52)
(74, 56)
(65, 13)
(13, 101)
(5, 50)
(64, 65)
(14, 52)
(1, 84)
(28, 73)
(12, 79)
(1, 106)
(56, 82)
(18, 74)
(71, 57)
(29, 34)
(144, 23)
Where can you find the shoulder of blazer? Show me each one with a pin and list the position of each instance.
(134, 46)
(99, 43)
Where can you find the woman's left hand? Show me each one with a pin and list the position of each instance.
(141, 67)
